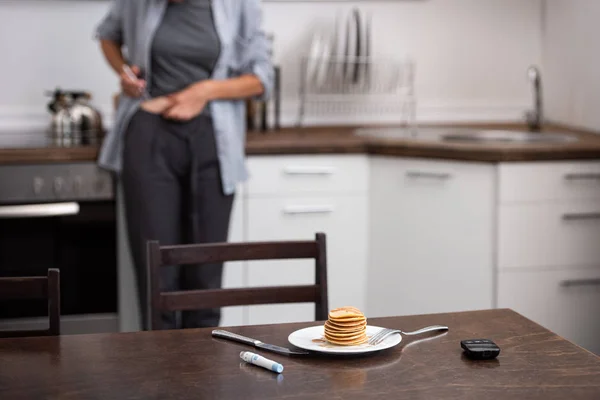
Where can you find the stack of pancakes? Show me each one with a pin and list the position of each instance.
(346, 326)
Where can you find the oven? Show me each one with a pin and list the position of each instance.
(60, 216)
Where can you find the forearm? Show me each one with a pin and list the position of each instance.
(113, 55)
(233, 88)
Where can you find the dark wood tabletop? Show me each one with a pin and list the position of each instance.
(190, 364)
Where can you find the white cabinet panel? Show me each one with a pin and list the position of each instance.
(549, 181)
(307, 175)
(566, 301)
(431, 236)
(342, 219)
(549, 234)
(234, 273)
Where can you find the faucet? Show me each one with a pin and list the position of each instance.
(535, 117)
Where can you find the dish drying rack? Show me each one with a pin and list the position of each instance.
(356, 85)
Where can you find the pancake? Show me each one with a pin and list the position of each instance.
(336, 328)
(354, 342)
(345, 312)
(348, 321)
(344, 336)
(333, 328)
(346, 326)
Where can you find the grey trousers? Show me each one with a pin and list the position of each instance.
(173, 194)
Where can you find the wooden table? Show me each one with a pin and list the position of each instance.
(534, 364)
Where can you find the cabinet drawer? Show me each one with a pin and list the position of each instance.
(522, 182)
(549, 234)
(285, 175)
(566, 301)
(343, 220)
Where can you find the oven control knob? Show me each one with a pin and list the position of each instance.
(38, 185)
(59, 184)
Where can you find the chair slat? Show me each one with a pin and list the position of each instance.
(35, 287)
(194, 254)
(189, 300)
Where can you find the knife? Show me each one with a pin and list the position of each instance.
(256, 343)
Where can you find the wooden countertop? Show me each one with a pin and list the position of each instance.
(534, 363)
(340, 140)
(343, 140)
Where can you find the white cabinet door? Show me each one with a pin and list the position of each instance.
(234, 273)
(538, 235)
(342, 219)
(431, 236)
(566, 301)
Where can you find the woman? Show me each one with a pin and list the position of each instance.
(179, 134)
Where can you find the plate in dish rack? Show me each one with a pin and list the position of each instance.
(312, 339)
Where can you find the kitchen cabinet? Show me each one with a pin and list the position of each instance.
(431, 236)
(565, 300)
(313, 194)
(548, 253)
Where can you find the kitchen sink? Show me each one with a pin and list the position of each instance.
(473, 136)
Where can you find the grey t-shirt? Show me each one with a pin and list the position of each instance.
(185, 48)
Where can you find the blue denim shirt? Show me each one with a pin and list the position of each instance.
(244, 50)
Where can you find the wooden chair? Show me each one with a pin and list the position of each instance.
(222, 252)
(34, 287)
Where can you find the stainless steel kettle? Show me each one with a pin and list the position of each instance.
(73, 117)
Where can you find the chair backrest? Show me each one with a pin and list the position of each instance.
(222, 252)
(34, 287)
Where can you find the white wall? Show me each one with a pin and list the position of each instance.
(471, 54)
(571, 55)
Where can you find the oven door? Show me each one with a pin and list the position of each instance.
(77, 238)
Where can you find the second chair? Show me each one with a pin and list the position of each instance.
(34, 287)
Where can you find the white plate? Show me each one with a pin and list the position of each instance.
(304, 339)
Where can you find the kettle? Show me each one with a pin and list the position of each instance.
(73, 117)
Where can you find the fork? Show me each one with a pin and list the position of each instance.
(384, 333)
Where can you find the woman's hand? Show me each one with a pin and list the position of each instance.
(130, 86)
(157, 105)
(190, 102)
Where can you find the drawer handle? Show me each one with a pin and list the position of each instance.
(581, 216)
(295, 210)
(582, 176)
(428, 175)
(580, 282)
(309, 170)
